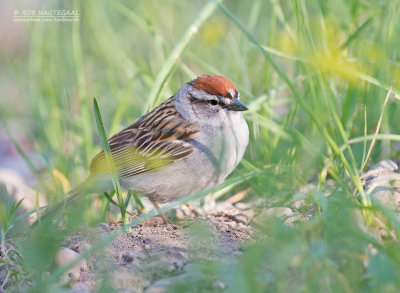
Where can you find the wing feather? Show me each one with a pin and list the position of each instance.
(154, 141)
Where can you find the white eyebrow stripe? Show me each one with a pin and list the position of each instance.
(232, 92)
(223, 100)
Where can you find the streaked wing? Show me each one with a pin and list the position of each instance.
(155, 140)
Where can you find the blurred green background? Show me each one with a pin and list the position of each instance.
(315, 74)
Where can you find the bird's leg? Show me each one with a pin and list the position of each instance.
(163, 217)
(193, 211)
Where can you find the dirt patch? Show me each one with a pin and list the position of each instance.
(154, 258)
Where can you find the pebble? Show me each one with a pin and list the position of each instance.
(65, 256)
(84, 247)
(153, 222)
(176, 266)
(164, 285)
(244, 217)
(223, 206)
(242, 206)
(370, 251)
(218, 285)
(124, 280)
(232, 224)
(237, 253)
(194, 267)
(129, 257)
(179, 264)
(383, 186)
(386, 164)
(279, 212)
(171, 268)
(177, 214)
(299, 204)
(104, 227)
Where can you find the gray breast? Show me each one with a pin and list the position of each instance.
(222, 148)
(216, 152)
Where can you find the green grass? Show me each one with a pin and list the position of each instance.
(315, 75)
(110, 162)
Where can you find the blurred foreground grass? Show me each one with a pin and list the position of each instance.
(315, 75)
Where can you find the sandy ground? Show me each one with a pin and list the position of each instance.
(154, 257)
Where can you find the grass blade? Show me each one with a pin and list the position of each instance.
(107, 153)
(173, 58)
(378, 127)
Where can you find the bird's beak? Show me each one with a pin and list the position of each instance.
(237, 105)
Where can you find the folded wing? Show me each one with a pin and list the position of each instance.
(154, 141)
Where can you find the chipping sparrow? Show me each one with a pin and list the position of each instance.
(190, 142)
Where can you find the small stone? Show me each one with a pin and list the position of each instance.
(191, 211)
(123, 280)
(223, 206)
(153, 222)
(218, 285)
(179, 265)
(386, 189)
(242, 206)
(159, 286)
(237, 253)
(164, 285)
(244, 217)
(104, 227)
(177, 214)
(66, 256)
(370, 251)
(84, 247)
(295, 261)
(194, 267)
(386, 164)
(146, 247)
(232, 224)
(129, 257)
(290, 220)
(249, 214)
(176, 266)
(300, 204)
(279, 212)
(171, 268)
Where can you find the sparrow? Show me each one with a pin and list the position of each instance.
(190, 142)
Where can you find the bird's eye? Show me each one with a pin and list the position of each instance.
(213, 102)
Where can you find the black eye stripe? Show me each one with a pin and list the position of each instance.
(219, 99)
(213, 102)
(209, 102)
